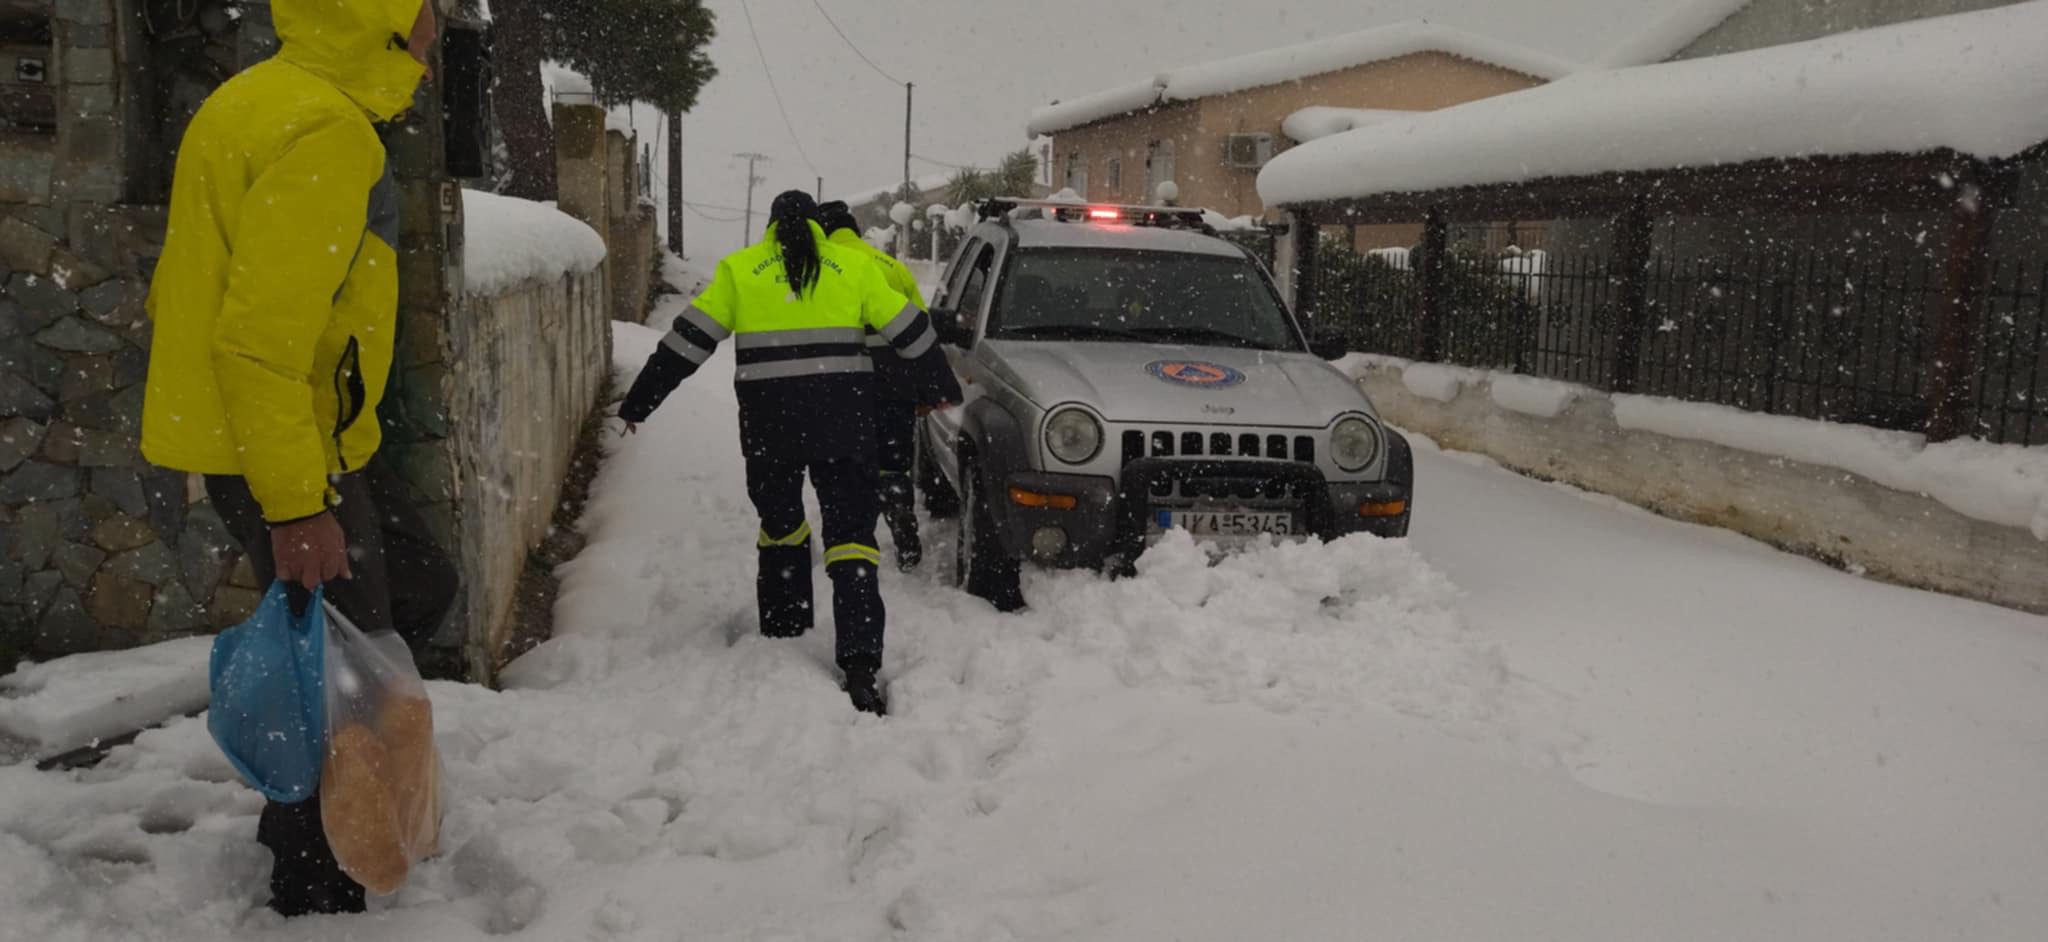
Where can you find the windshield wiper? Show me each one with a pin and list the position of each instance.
(1069, 332)
(1208, 335)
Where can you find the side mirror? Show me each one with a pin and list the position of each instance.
(946, 321)
(1329, 343)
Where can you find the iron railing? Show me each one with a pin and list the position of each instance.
(1836, 338)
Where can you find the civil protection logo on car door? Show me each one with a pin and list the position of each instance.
(1195, 373)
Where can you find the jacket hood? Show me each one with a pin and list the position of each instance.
(358, 45)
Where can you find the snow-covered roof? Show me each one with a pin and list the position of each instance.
(510, 242)
(1972, 83)
(1124, 99)
(1292, 63)
(1670, 33)
(1319, 121)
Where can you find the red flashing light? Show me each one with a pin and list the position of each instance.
(1104, 214)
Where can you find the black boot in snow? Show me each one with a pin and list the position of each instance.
(864, 693)
(903, 530)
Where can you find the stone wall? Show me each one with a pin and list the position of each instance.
(1824, 512)
(97, 549)
(523, 373)
(631, 249)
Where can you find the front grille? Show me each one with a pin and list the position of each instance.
(1139, 444)
(1170, 443)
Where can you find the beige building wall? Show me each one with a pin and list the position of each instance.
(1114, 152)
(1199, 129)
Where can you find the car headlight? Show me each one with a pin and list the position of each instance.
(1354, 443)
(1073, 436)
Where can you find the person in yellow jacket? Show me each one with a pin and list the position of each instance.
(275, 305)
(898, 391)
(798, 309)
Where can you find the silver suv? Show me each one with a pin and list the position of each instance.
(1128, 371)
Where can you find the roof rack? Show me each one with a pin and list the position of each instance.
(1164, 217)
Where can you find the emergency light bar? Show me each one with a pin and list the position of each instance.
(1064, 211)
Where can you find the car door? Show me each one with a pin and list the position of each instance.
(968, 287)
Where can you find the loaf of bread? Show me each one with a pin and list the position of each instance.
(406, 724)
(380, 794)
(358, 811)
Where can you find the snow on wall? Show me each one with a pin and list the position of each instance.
(1320, 121)
(508, 242)
(1893, 89)
(1528, 269)
(2003, 484)
(1671, 33)
(74, 701)
(1395, 257)
(1529, 395)
(1222, 223)
(1439, 382)
(1293, 63)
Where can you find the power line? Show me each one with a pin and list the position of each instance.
(716, 206)
(948, 163)
(770, 73)
(849, 44)
(692, 207)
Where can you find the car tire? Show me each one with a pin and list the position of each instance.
(981, 566)
(941, 501)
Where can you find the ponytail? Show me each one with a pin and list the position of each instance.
(791, 215)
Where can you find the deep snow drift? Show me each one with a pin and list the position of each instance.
(1545, 717)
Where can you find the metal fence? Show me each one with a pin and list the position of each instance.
(1842, 339)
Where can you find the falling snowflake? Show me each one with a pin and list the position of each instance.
(1668, 326)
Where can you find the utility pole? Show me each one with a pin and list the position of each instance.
(820, 194)
(675, 183)
(903, 229)
(747, 237)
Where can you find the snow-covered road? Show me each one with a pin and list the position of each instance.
(1545, 716)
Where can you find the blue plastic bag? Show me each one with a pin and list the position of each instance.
(269, 712)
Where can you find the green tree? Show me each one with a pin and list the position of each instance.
(650, 51)
(969, 185)
(1017, 173)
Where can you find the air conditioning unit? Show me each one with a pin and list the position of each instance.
(1248, 151)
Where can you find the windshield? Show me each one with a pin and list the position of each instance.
(1156, 297)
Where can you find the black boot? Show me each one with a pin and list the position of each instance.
(305, 878)
(902, 523)
(863, 691)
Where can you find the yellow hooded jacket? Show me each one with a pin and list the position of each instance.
(894, 272)
(276, 299)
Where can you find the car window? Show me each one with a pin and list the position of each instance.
(976, 285)
(1170, 297)
(957, 273)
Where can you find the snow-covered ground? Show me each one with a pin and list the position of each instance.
(1546, 716)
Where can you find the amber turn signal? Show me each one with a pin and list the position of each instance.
(1024, 498)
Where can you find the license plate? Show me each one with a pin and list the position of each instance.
(1225, 522)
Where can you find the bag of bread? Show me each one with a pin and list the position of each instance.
(380, 788)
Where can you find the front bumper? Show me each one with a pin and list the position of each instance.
(1111, 517)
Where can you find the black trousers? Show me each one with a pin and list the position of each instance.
(846, 494)
(896, 452)
(403, 581)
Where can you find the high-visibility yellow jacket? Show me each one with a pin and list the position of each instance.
(276, 299)
(803, 371)
(894, 271)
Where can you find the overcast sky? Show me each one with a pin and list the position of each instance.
(982, 65)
